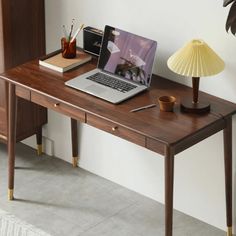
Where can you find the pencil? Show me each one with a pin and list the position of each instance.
(144, 107)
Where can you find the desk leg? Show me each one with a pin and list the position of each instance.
(169, 184)
(74, 140)
(228, 172)
(39, 141)
(11, 138)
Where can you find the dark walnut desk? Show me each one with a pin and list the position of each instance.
(166, 133)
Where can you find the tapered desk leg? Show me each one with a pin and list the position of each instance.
(169, 185)
(74, 139)
(39, 141)
(11, 138)
(228, 173)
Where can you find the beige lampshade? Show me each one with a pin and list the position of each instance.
(196, 59)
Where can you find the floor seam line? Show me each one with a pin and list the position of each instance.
(106, 218)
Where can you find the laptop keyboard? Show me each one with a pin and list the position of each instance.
(111, 82)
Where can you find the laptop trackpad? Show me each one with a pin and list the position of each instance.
(95, 89)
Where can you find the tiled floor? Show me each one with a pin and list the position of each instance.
(63, 201)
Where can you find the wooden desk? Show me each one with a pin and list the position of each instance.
(166, 133)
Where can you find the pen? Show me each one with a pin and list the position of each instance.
(71, 29)
(144, 107)
(77, 32)
(65, 32)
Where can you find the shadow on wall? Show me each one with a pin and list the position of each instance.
(160, 68)
(54, 23)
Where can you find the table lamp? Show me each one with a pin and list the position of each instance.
(195, 59)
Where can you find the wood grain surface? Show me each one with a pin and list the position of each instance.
(170, 128)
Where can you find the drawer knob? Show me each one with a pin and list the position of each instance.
(114, 128)
(56, 104)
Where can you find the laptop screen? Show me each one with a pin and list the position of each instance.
(127, 55)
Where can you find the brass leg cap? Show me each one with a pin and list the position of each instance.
(10, 194)
(39, 149)
(75, 161)
(229, 233)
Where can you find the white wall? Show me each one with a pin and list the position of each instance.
(199, 173)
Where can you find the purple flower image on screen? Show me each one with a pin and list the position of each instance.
(129, 56)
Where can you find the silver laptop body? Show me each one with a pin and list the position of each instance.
(124, 67)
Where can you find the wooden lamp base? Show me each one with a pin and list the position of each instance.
(194, 105)
(197, 108)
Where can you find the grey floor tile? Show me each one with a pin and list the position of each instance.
(108, 228)
(147, 219)
(143, 218)
(196, 229)
(66, 201)
(54, 224)
(89, 204)
(38, 214)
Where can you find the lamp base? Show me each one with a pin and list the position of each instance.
(197, 108)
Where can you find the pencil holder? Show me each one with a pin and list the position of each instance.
(166, 103)
(68, 49)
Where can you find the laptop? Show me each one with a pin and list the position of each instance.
(124, 67)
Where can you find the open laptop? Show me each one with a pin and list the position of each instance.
(124, 67)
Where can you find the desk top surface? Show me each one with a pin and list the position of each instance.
(166, 127)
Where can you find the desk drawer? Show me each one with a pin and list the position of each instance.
(115, 129)
(58, 106)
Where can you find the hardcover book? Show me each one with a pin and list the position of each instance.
(58, 63)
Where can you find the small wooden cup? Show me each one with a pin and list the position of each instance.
(68, 49)
(166, 103)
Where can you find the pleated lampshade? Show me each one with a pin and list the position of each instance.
(196, 59)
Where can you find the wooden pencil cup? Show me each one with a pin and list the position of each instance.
(166, 103)
(68, 49)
